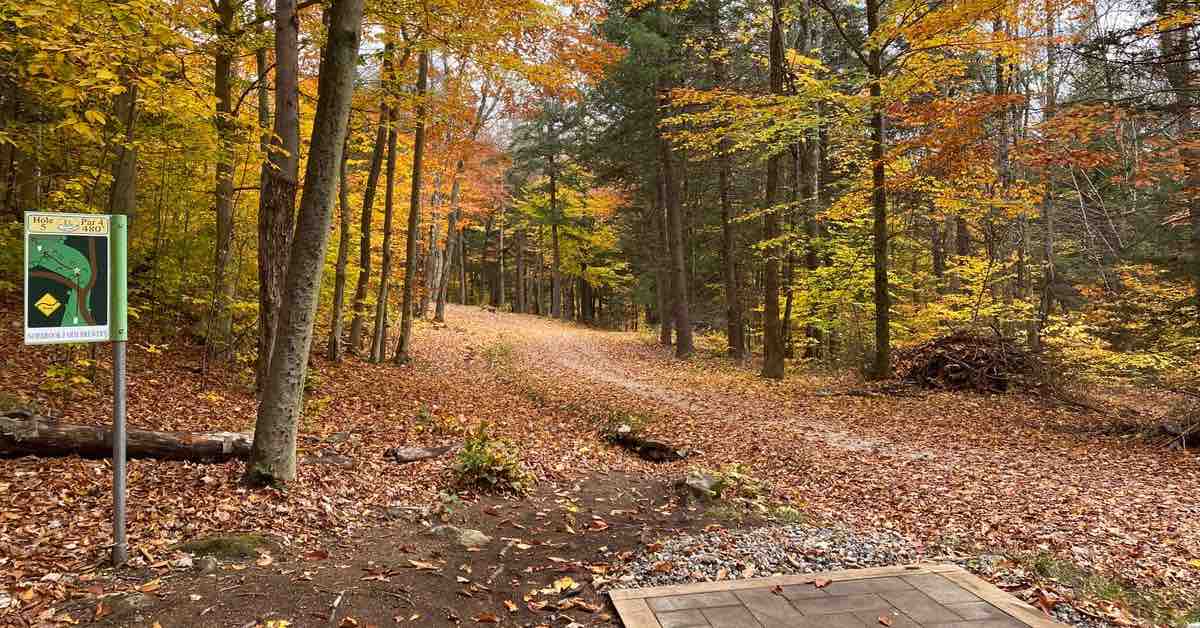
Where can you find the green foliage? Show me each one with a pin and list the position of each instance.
(491, 464)
(734, 482)
(788, 515)
(1098, 586)
(12, 254)
(427, 421)
(68, 377)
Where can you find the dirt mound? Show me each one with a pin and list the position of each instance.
(966, 360)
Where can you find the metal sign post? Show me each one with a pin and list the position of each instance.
(120, 334)
(75, 291)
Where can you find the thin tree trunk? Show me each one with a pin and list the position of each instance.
(520, 279)
(378, 343)
(277, 201)
(666, 319)
(500, 265)
(273, 454)
(883, 343)
(343, 256)
(451, 232)
(556, 310)
(368, 210)
(414, 214)
(220, 330)
(462, 266)
(1048, 262)
(122, 197)
(773, 350)
(734, 321)
(679, 284)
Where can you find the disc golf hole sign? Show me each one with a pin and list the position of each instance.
(66, 278)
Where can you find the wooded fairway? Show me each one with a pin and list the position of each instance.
(467, 312)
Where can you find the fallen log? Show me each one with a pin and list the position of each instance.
(404, 455)
(25, 434)
(649, 450)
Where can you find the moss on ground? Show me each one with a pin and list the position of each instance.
(228, 546)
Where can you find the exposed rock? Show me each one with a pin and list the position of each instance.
(183, 562)
(404, 455)
(207, 565)
(465, 537)
(130, 603)
(702, 485)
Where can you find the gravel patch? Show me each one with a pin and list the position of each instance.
(759, 552)
(782, 550)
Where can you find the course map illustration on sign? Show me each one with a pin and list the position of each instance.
(66, 278)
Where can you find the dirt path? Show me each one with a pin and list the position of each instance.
(961, 473)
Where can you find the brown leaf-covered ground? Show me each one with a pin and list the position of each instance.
(956, 472)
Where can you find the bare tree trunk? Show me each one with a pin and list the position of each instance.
(773, 350)
(679, 284)
(734, 321)
(556, 309)
(220, 331)
(883, 303)
(462, 266)
(541, 277)
(500, 265)
(273, 455)
(122, 198)
(1178, 47)
(277, 202)
(414, 214)
(1048, 262)
(343, 256)
(368, 208)
(520, 280)
(379, 338)
(662, 281)
(451, 232)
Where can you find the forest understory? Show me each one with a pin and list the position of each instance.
(1069, 503)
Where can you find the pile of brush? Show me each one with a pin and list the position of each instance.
(966, 360)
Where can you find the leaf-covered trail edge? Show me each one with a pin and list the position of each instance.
(954, 472)
(959, 473)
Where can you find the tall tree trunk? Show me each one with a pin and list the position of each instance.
(220, 332)
(462, 266)
(679, 283)
(883, 342)
(277, 201)
(368, 210)
(414, 213)
(378, 341)
(273, 455)
(773, 350)
(520, 279)
(1177, 46)
(734, 324)
(1050, 104)
(343, 255)
(662, 287)
(451, 231)
(541, 278)
(122, 197)
(556, 309)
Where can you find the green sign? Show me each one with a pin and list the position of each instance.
(68, 282)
